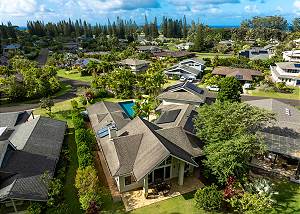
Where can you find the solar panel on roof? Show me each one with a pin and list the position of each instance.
(168, 116)
(297, 65)
(102, 132)
(194, 88)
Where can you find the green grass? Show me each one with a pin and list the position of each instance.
(170, 82)
(74, 75)
(180, 205)
(212, 55)
(288, 198)
(70, 192)
(295, 95)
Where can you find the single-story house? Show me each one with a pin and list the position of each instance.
(184, 46)
(183, 93)
(255, 53)
(71, 46)
(192, 67)
(175, 54)
(149, 49)
(288, 72)
(282, 138)
(138, 152)
(135, 65)
(29, 151)
(242, 74)
(228, 43)
(10, 47)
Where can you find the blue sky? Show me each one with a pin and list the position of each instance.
(212, 12)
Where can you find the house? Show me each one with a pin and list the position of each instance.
(29, 151)
(137, 152)
(11, 47)
(256, 53)
(135, 65)
(282, 139)
(149, 49)
(82, 63)
(175, 54)
(271, 48)
(291, 56)
(183, 93)
(185, 46)
(192, 67)
(242, 74)
(288, 72)
(71, 46)
(228, 43)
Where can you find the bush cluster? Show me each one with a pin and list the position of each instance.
(86, 181)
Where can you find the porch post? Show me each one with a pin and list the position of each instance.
(145, 188)
(13, 203)
(297, 171)
(181, 173)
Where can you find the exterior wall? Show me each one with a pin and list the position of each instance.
(290, 80)
(123, 188)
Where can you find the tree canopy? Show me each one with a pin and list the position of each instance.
(230, 90)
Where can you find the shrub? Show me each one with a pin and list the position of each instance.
(91, 198)
(208, 198)
(35, 208)
(83, 100)
(78, 121)
(74, 104)
(85, 157)
(86, 180)
(84, 135)
(251, 203)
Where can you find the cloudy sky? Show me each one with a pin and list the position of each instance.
(212, 12)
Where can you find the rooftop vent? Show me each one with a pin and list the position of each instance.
(288, 112)
(2, 130)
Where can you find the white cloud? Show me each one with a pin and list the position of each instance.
(297, 4)
(17, 7)
(251, 9)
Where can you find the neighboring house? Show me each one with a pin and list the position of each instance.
(135, 65)
(255, 53)
(138, 152)
(242, 74)
(11, 47)
(29, 151)
(291, 56)
(183, 93)
(149, 49)
(288, 72)
(282, 138)
(271, 48)
(175, 54)
(228, 43)
(71, 46)
(184, 46)
(187, 68)
(82, 63)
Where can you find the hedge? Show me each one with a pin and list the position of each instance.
(85, 140)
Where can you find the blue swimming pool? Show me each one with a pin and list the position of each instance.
(128, 108)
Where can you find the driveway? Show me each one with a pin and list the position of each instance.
(34, 104)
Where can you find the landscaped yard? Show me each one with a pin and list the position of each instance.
(212, 55)
(295, 95)
(74, 75)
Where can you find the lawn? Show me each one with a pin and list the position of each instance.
(74, 75)
(212, 55)
(70, 192)
(295, 95)
(179, 205)
(170, 82)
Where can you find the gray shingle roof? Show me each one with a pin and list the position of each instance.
(38, 143)
(185, 93)
(12, 119)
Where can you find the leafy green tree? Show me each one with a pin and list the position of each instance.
(230, 90)
(47, 103)
(143, 108)
(208, 198)
(225, 121)
(231, 157)
(296, 24)
(86, 180)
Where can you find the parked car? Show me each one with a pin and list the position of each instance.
(182, 79)
(247, 86)
(213, 88)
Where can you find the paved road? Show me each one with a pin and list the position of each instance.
(26, 106)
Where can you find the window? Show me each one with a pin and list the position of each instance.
(167, 172)
(128, 180)
(239, 77)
